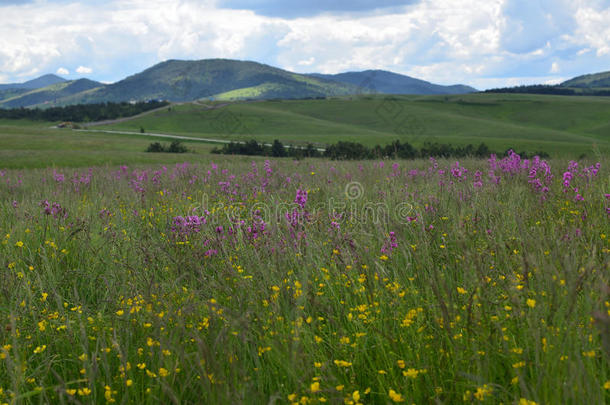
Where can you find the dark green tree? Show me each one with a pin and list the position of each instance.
(277, 149)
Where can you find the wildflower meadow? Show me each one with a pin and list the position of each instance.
(306, 282)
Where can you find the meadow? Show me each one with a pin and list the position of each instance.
(303, 282)
(561, 126)
(28, 144)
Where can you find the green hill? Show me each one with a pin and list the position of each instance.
(564, 125)
(11, 93)
(180, 81)
(50, 95)
(597, 84)
(381, 81)
(589, 81)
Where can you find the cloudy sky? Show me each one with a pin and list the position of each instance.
(483, 43)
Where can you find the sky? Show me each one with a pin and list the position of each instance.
(482, 43)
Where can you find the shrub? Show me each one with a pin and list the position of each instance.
(174, 147)
(155, 147)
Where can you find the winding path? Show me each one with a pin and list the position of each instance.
(181, 137)
(156, 135)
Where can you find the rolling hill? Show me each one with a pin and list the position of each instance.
(381, 81)
(564, 125)
(596, 80)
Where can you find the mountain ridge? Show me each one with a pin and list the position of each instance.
(49, 94)
(179, 80)
(387, 82)
(227, 79)
(39, 82)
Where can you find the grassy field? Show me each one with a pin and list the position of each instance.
(26, 144)
(561, 126)
(306, 282)
(555, 124)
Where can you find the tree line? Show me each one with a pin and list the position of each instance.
(551, 90)
(82, 112)
(345, 150)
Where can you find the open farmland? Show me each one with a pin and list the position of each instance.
(306, 282)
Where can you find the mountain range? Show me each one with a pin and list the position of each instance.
(218, 79)
(225, 79)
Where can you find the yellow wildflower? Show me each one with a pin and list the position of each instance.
(395, 396)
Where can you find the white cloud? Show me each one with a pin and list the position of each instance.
(556, 80)
(554, 67)
(62, 71)
(473, 41)
(307, 62)
(83, 70)
(499, 82)
(593, 29)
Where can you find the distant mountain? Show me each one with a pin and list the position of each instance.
(177, 80)
(51, 95)
(596, 80)
(219, 79)
(10, 93)
(385, 82)
(38, 83)
(597, 84)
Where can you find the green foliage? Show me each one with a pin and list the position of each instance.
(356, 151)
(177, 147)
(155, 147)
(348, 151)
(278, 149)
(82, 112)
(553, 90)
(174, 147)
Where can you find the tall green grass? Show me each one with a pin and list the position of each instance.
(490, 295)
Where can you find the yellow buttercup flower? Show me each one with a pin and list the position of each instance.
(395, 396)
